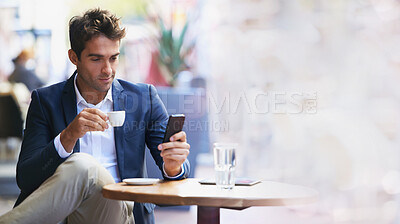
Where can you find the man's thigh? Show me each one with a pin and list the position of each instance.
(73, 191)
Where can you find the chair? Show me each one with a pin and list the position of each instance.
(192, 103)
(10, 126)
(10, 117)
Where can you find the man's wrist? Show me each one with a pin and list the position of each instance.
(60, 148)
(173, 172)
(66, 139)
(178, 175)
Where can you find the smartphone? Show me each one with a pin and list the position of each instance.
(240, 181)
(175, 125)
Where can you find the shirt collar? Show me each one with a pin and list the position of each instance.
(80, 99)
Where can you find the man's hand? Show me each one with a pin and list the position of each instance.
(89, 119)
(174, 153)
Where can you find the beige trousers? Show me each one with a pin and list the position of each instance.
(73, 192)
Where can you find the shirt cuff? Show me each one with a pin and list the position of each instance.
(60, 148)
(175, 177)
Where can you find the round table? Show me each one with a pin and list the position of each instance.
(209, 198)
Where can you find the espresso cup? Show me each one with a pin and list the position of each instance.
(116, 118)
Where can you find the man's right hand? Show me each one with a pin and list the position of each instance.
(89, 119)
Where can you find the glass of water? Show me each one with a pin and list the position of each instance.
(224, 164)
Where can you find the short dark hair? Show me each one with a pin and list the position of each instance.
(93, 23)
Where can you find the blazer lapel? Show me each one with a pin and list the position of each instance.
(69, 104)
(119, 103)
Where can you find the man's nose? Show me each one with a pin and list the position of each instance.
(107, 68)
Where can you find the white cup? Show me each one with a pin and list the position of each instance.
(116, 118)
(224, 164)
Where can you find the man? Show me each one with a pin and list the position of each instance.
(22, 74)
(56, 181)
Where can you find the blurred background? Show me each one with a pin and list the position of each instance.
(308, 88)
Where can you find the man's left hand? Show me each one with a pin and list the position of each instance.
(174, 153)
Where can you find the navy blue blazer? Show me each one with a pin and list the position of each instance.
(53, 108)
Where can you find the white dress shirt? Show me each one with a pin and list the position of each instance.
(99, 144)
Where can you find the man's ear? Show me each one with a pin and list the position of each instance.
(73, 57)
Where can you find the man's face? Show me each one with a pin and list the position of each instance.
(96, 69)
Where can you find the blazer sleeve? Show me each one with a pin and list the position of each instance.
(38, 158)
(156, 128)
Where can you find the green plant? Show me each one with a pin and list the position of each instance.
(172, 50)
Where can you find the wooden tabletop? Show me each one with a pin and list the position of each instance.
(190, 192)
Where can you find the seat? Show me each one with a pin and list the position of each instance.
(10, 126)
(10, 117)
(192, 103)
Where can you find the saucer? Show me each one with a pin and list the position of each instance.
(141, 181)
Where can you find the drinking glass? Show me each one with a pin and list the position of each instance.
(224, 164)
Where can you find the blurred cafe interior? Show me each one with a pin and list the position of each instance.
(307, 88)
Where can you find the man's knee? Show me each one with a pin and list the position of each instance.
(84, 167)
(82, 161)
